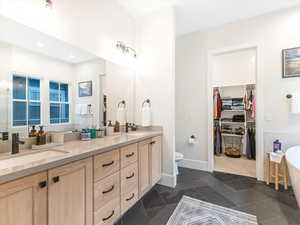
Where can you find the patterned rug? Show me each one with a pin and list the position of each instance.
(191, 211)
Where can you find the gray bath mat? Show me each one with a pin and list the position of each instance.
(191, 211)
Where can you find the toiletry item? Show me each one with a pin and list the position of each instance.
(85, 136)
(117, 127)
(41, 137)
(109, 129)
(93, 133)
(33, 132)
(134, 127)
(100, 133)
(276, 146)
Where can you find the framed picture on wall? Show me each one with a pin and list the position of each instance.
(85, 89)
(291, 62)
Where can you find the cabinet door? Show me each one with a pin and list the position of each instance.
(156, 160)
(24, 201)
(144, 167)
(70, 194)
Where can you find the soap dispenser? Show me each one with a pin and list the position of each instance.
(41, 137)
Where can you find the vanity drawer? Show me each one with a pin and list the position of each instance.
(106, 164)
(109, 214)
(106, 190)
(128, 155)
(129, 178)
(128, 200)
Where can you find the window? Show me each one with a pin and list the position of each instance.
(59, 102)
(26, 105)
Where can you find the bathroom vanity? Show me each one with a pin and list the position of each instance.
(86, 183)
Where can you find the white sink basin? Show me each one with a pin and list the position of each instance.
(29, 158)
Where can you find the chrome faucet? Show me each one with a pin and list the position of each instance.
(15, 143)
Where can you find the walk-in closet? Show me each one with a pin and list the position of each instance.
(234, 129)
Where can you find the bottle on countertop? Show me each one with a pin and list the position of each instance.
(109, 129)
(33, 132)
(117, 127)
(41, 137)
(276, 146)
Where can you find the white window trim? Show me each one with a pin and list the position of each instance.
(60, 103)
(26, 100)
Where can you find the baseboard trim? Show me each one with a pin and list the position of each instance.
(168, 180)
(194, 164)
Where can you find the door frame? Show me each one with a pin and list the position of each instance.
(259, 102)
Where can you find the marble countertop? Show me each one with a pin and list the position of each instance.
(30, 162)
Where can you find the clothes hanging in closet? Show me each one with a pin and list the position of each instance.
(217, 104)
(251, 144)
(217, 140)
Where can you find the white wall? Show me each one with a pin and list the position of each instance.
(118, 85)
(89, 71)
(273, 32)
(234, 68)
(93, 25)
(155, 79)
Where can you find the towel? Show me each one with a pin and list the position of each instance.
(121, 115)
(146, 116)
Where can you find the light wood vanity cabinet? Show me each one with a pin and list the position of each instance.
(92, 191)
(24, 201)
(144, 167)
(70, 194)
(156, 160)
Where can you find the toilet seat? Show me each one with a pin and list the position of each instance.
(178, 156)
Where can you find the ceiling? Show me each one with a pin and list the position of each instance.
(193, 15)
(18, 35)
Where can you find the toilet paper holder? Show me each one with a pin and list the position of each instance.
(289, 96)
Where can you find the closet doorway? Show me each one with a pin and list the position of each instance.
(234, 140)
(235, 129)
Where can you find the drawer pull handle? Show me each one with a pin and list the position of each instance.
(108, 164)
(43, 184)
(130, 155)
(131, 176)
(128, 199)
(111, 189)
(55, 179)
(111, 215)
(152, 142)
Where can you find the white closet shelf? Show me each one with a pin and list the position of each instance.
(230, 122)
(232, 110)
(232, 135)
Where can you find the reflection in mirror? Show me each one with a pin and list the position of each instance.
(46, 82)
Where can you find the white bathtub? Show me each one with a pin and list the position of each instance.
(293, 161)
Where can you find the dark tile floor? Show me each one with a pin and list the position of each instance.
(236, 192)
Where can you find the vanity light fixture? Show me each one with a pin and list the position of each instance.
(49, 4)
(126, 49)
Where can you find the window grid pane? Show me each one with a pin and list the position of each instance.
(54, 113)
(64, 113)
(19, 113)
(34, 113)
(54, 91)
(64, 92)
(33, 89)
(19, 87)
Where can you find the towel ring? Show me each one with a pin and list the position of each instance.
(146, 101)
(122, 103)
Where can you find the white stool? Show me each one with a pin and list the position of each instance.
(178, 157)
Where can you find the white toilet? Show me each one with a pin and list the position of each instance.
(178, 157)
